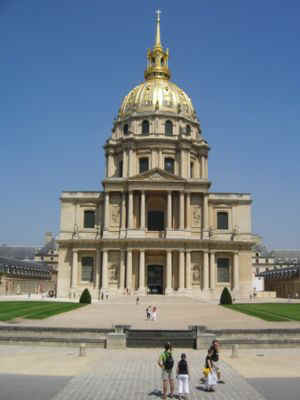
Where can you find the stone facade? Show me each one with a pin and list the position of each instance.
(156, 227)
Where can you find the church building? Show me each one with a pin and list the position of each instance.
(155, 228)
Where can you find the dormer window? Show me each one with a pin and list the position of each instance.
(162, 61)
(168, 128)
(188, 130)
(126, 129)
(145, 127)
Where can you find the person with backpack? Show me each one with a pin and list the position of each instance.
(166, 364)
(182, 375)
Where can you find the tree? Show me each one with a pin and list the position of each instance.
(85, 297)
(225, 297)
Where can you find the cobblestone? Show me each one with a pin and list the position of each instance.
(134, 374)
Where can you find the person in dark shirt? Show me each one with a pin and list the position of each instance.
(182, 375)
(211, 378)
(215, 347)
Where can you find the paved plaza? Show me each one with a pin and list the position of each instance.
(173, 313)
(58, 373)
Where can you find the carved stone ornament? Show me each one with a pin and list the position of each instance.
(115, 215)
(113, 273)
(196, 216)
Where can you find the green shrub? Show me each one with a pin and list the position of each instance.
(85, 297)
(225, 297)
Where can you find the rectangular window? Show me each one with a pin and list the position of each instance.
(192, 170)
(89, 219)
(120, 169)
(223, 270)
(222, 220)
(87, 268)
(143, 164)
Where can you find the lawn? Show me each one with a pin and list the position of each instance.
(269, 311)
(34, 309)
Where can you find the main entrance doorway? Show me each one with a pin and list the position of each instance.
(155, 279)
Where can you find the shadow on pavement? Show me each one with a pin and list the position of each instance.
(277, 388)
(31, 387)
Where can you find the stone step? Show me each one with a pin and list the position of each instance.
(64, 341)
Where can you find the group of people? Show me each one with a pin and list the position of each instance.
(211, 371)
(151, 313)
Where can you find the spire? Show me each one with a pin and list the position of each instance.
(157, 37)
(157, 58)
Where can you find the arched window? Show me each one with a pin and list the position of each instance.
(169, 165)
(145, 127)
(126, 129)
(168, 128)
(222, 220)
(188, 130)
(143, 164)
(162, 61)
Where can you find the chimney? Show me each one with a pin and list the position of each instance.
(48, 237)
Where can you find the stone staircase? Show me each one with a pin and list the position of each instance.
(157, 338)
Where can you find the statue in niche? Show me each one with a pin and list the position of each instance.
(196, 273)
(196, 216)
(115, 215)
(113, 273)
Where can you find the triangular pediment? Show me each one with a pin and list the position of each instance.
(158, 175)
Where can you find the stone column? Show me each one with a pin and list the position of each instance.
(74, 268)
(104, 270)
(188, 211)
(188, 269)
(212, 271)
(109, 164)
(236, 272)
(142, 271)
(181, 210)
(153, 151)
(125, 163)
(123, 213)
(97, 269)
(122, 270)
(205, 216)
(130, 161)
(169, 211)
(206, 167)
(182, 171)
(181, 270)
(129, 271)
(160, 160)
(202, 161)
(130, 210)
(169, 272)
(106, 211)
(143, 210)
(205, 270)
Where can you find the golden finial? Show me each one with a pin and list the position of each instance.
(157, 58)
(157, 37)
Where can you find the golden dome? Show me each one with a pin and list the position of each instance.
(157, 93)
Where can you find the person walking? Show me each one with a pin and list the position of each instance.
(166, 363)
(215, 347)
(182, 375)
(211, 378)
(137, 301)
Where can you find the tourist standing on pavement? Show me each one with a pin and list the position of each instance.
(154, 313)
(182, 375)
(137, 301)
(166, 364)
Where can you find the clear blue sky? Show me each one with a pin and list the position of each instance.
(66, 65)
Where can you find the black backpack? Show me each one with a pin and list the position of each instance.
(168, 361)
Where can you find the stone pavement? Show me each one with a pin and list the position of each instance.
(174, 312)
(134, 374)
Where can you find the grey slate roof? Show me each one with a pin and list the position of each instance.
(18, 252)
(10, 262)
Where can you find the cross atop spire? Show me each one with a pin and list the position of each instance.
(157, 38)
